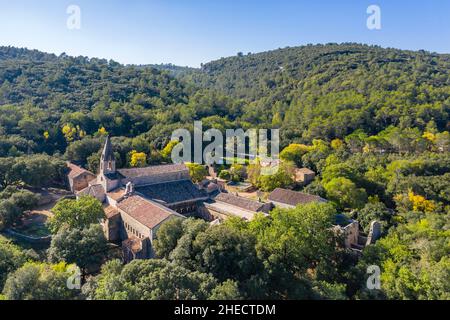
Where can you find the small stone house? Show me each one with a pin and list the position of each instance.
(78, 177)
(354, 239)
(304, 176)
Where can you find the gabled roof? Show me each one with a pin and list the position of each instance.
(172, 192)
(133, 243)
(116, 194)
(146, 212)
(240, 202)
(152, 170)
(110, 211)
(305, 171)
(293, 198)
(95, 190)
(75, 170)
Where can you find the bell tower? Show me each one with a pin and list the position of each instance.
(108, 177)
(107, 160)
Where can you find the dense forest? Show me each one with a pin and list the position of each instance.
(373, 123)
(324, 91)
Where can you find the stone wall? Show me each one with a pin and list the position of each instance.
(132, 228)
(205, 214)
(211, 213)
(111, 228)
(374, 233)
(29, 239)
(145, 250)
(108, 184)
(282, 205)
(351, 233)
(80, 182)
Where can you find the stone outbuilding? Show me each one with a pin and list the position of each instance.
(353, 238)
(304, 176)
(78, 177)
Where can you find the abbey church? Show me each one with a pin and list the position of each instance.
(138, 200)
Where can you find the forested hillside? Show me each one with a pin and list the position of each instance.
(323, 91)
(319, 91)
(41, 93)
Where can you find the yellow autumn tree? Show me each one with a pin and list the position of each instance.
(138, 159)
(366, 149)
(81, 132)
(102, 131)
(420, 203)
(337, 144)
(429, 136)
(69, 132)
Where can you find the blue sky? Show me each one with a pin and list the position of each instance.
(188, 32)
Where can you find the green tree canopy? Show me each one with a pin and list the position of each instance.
(345, 193)
(150, 280)
(11, 258)
(87, 248)
(40, 281)
(294, 153)
(197, 171)
(78, 214)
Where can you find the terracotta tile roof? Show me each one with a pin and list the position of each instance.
(110, 211)
(147, 212)
(75, 170)
(172, 192)
(305, 170)
(116, 194)
(134, 244)
(95, 190)
(152, 170)
(240, 202)
(293, 198)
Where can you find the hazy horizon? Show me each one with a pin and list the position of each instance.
(196, 67)
(188, 33)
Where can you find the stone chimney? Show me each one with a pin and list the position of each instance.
(129, 189)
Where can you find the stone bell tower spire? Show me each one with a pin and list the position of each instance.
(107, 160)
